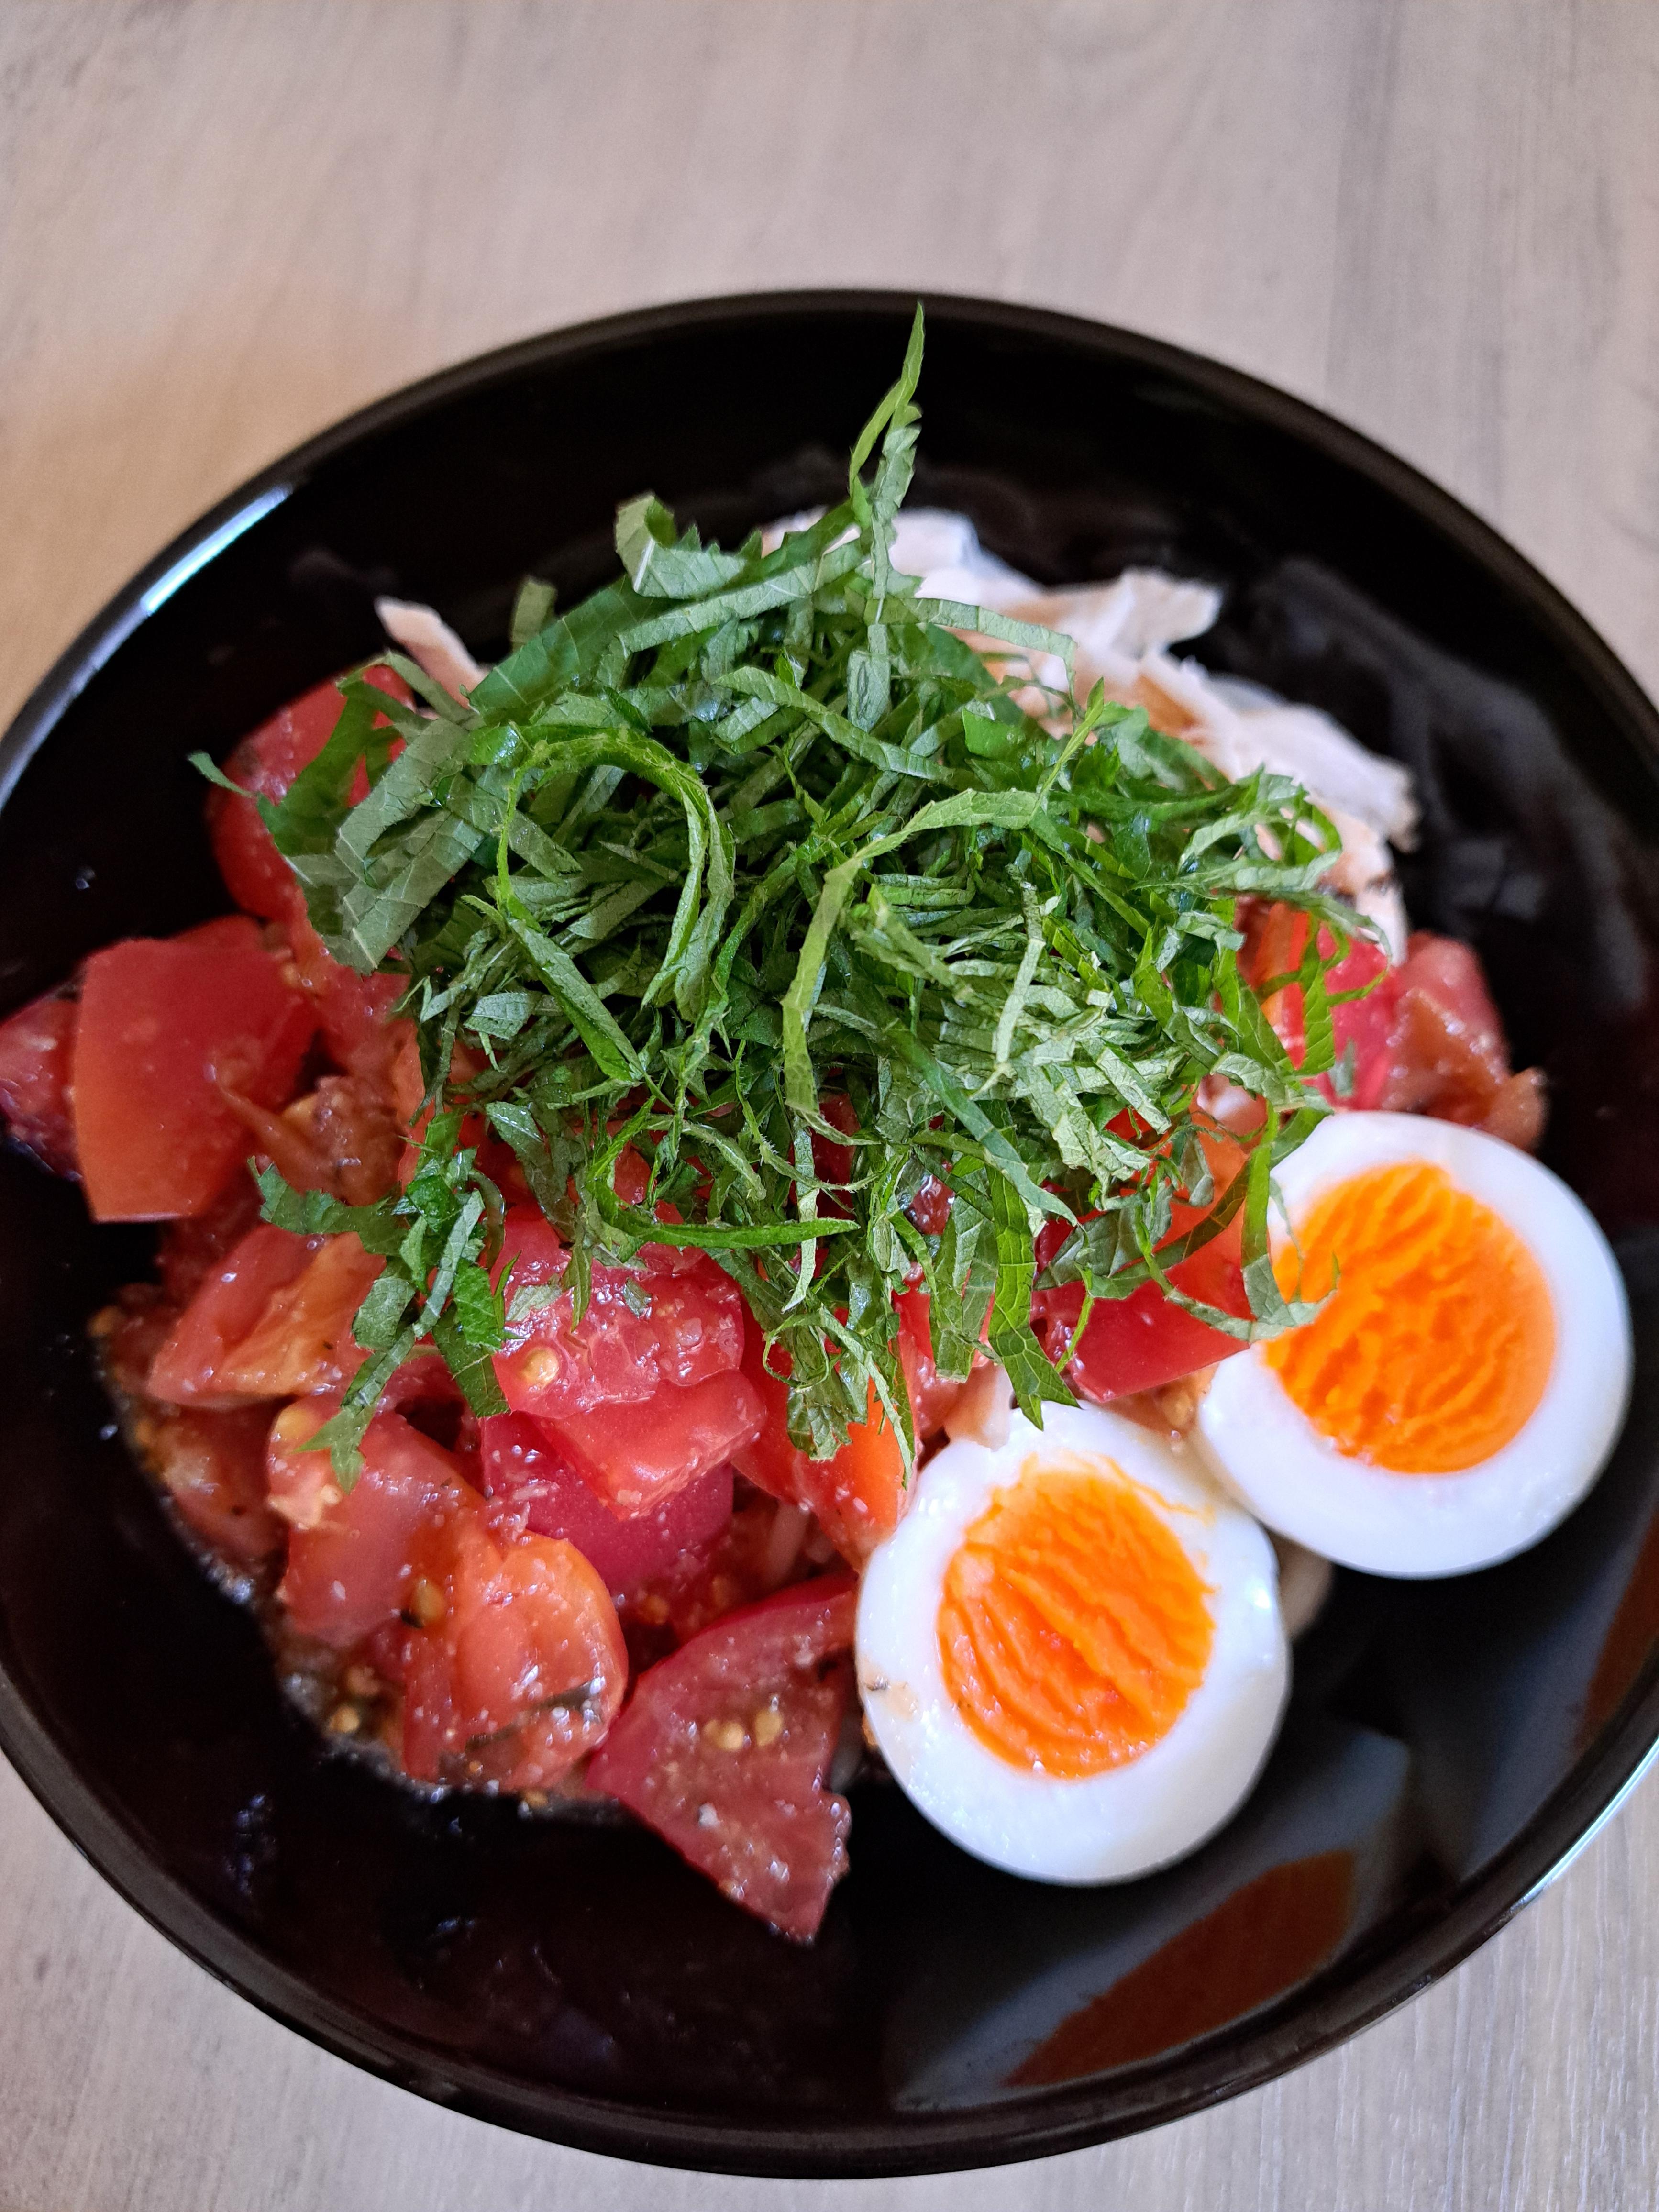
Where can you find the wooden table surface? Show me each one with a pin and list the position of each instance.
(222, 225)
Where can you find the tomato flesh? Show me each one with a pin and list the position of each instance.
(932, 1394)
(164, 1023)
(226, 1305)
(857, 1497)
(643, 1393)
(525, 1473)
(353, 1012)
(636, 1457)
(522, 1667)
(37, 1046)
(1146, 1340)
(351, 1557)
(255, 873)
(725, 1748)
(677, 1323)
(273, 1320)
(214, 1467)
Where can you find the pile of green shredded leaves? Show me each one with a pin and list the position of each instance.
(745, 832)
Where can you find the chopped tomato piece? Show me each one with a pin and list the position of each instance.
(166, 1028)
(190, 1249)
(273, 1320)
(930, 1209)
(228, 1303)
(351, 1557)
(642, 1394)
(354, 1012)
(302, 1342)
(214, 1467)
(678, 1322)
(266, 762)
(340, 1138)
(531, 1479)
(1145, 1340)
(932, 1394)
(764, 1545)
(1424, 1039)
(518, 1668)
(1446, 1053)
(37, 1044)
(636, 1457)
(857, 1497)
(725, 1747)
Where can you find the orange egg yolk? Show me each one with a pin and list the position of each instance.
(1074, 1627)
(1435, 1348)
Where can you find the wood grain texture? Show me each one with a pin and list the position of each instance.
(222, 225)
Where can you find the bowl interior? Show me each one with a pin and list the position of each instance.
(1447, 1742)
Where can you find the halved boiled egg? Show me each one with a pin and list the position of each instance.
(1070, 1650)
(1460, 1389)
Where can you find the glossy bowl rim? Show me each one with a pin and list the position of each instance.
(1169, 2086)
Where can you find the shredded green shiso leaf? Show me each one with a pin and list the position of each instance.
(744, 832)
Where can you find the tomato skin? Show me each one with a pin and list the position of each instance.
(525, 1668)
(37, 1046)
(1137, 1343)
(638, 1403)
(725, 1747)
(163, 1023)
(266, 761)
(351, 1557)
(529, 1478)
(273, 1320)
(932, 1394)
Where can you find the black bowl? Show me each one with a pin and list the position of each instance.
(1449, 1745)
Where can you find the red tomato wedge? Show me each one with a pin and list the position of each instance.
(37, 1045)
(635, 1457)
(226, 1304)
(679, 1323)
(932, 1394)
(302, 1342)
(273, 1320)
(1145, 1340)
(725, 1748)
(531, 1479)
(857, 1497)
(353, 1011)
(1424, 1039)
(163, 1024)
(519, 1667)
(266, 762)
(642, 1395)
(351, 1557)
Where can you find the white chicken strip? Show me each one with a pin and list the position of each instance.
(428, 640)
(1123, 630)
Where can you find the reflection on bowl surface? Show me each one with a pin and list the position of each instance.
(1449, 1743)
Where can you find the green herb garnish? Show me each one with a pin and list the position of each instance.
(745, 832)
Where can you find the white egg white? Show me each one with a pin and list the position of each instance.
(1130, 1818)
(1360, 1513)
